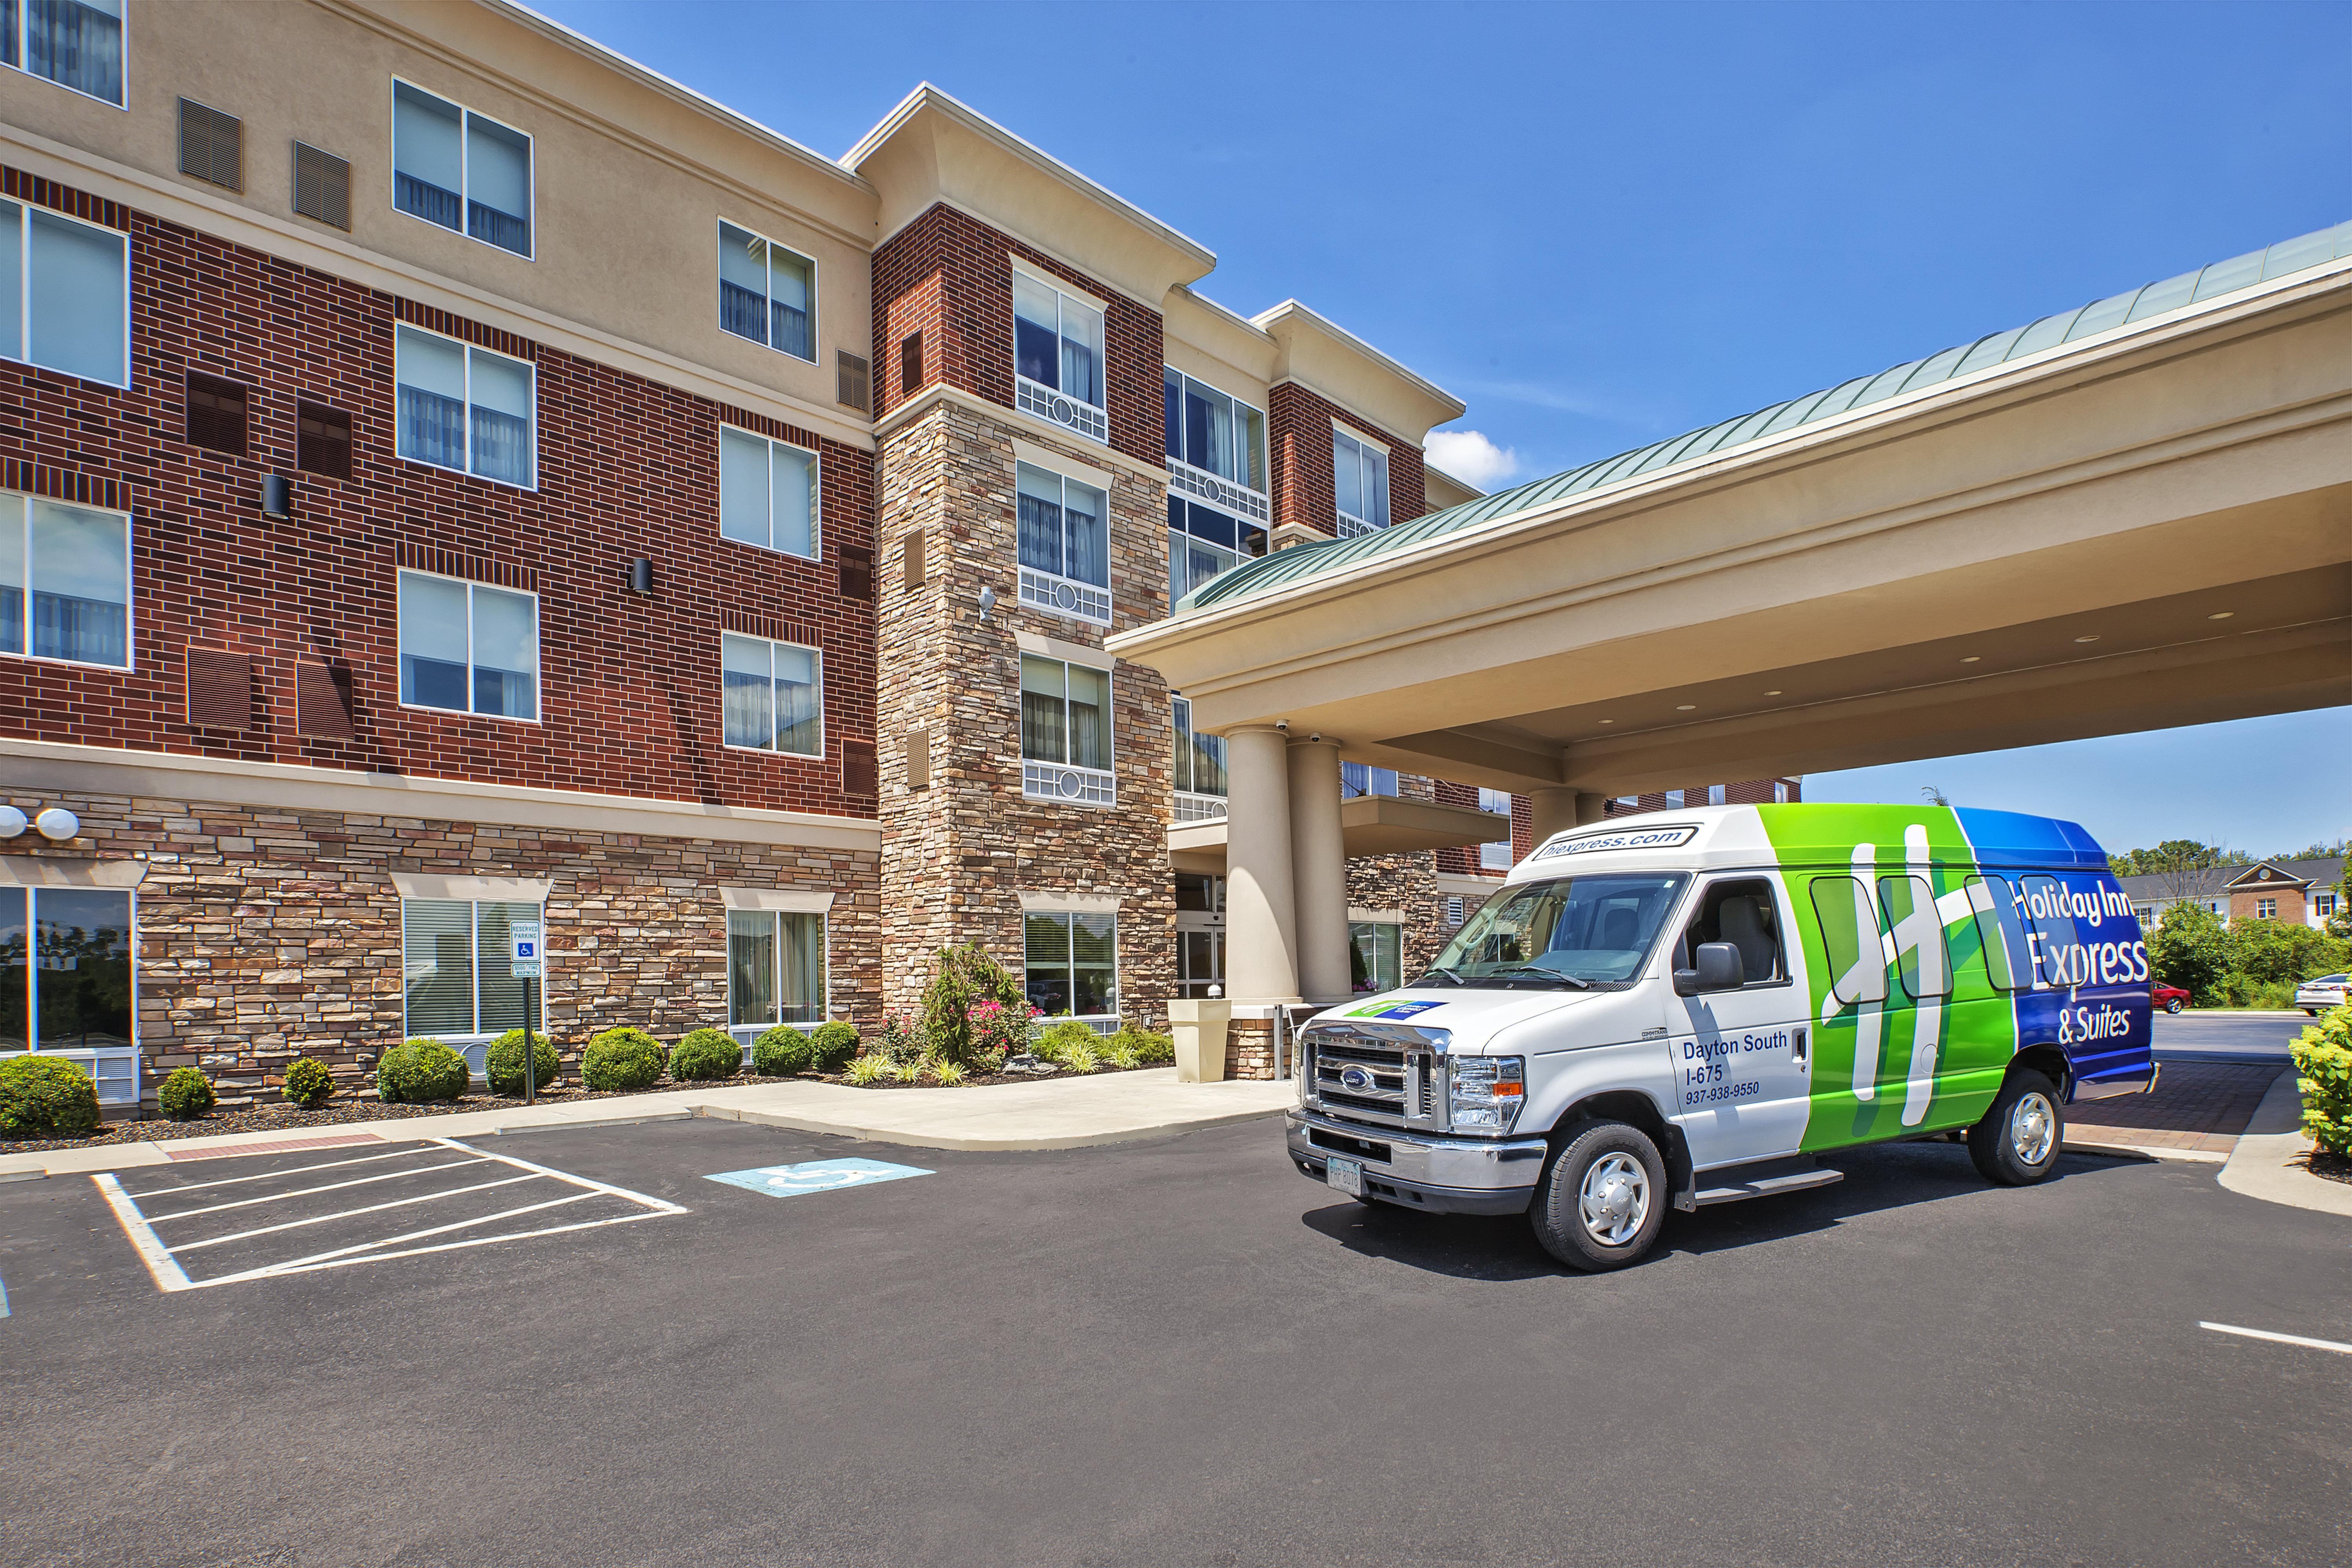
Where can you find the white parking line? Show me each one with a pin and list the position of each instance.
(169, 1275)
(274, 1175)
(2282, 1339)
(348, 1214)
(310, 1192)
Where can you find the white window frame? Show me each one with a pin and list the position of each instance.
(1205, 484)
(816, 663)
(1056, 592)
(25, 211)
(538, 679)
(1101, 1023)
(477, 1039)
(774, 246)
(1071, 784)
(465, 114)
(1037, 399)
(1355, 929)
(469, 351)
(1488, 857)
(2322, 904)
(1193, 805)
(1350, 525)
(24, 58)
(1240, 557)
(107, 1066)
(23, 525)
(2265, 909)
(746, 1035)
(816, 494)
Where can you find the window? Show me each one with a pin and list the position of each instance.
(766, 293)
(2265, 909)
(1496, 855)
(1594, 928)
(217, 410)
(774, 695)
(768, 493)
(1200, 768)
(1377, 960)
(64, 582)
(66, 967)
(775, 969)
(323, 186)
(2001, 933)
(1205, 543)
(323, 440)
(1057, 351)
(65, 294)
(910, 364)
(1360, 479)
(1072, 964)
(1064, 533)
(452, 167)
(1216, 434)
(493, 635)
(1714, 795)
(1850, 934)
(1745, 914)
(466, 409)
(74, 43)
(1781, 792)
(2322, 904)
(1674, 799)
(212, 145)
(1912, 919)
(1357, 779)
(457, 959)
(852, 381)
(1066, 732)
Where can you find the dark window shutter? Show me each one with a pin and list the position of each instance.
(856, 572)
(910, 364)
(322, 700)
(323, 440)
(217, 410)
(211, 145)
(322, 186)
(220, 689)
(913, 563)
(858, 773)
(852, 382)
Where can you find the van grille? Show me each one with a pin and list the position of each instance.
(1395, 1086)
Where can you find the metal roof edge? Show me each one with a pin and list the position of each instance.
(1388, 362)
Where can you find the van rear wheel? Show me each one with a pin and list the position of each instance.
(2018, 1142)
(1603, 1199)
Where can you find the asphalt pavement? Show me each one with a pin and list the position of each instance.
(2227, 1037)
(1176, 1353)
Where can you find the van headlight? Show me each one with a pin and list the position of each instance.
(1482, 1094)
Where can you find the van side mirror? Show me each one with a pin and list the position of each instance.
(1719, 969)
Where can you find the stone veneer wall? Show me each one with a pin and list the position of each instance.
(1406, 882)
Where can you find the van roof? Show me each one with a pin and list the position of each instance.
(1814, 834)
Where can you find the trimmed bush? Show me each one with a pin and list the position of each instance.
(967, 975)
(622, 1061)
(418, 1072)
(832, 1045)
(782, 1051)
(504, 1062)
(1147, 1046)
(1059, 1040)
(308, 1083)
(41, 1096)
(2324, 1056)
(186, 1094)
(705, 1055)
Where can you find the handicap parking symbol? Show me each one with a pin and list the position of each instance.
(815, 1176)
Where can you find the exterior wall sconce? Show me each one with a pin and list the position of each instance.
(987, 602)
(641, 576)
(277, 497)
(55, 823)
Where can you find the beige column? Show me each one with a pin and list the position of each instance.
(1318, 869)
(1261, 936)
(1553, 810)
(1590, 809)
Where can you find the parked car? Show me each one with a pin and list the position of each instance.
(2171, 998)
(2315, 996)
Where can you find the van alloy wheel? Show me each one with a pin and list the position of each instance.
(2033, 1126)
(1598, 1204)
(2017, 1142)
(1615, 1199)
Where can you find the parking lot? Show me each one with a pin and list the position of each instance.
(1168, 1353)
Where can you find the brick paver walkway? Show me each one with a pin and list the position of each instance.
(2202, 1106)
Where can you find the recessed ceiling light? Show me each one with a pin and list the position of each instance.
(1973, 658)
(1771, 694)
(1684, 707)
(1609, 720)
(2220, 615)
(2092, 638)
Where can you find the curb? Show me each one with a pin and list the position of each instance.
(2266, 1164)
(979, 1145)
(2117, 1150)
(627, 1120)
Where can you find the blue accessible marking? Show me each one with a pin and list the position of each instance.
(815, 1176)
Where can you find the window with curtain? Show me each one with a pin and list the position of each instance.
(463, 407)
(775, 969)
(468, 646)
(1496, 855)
(64, 582)
(1200, 759)
(1064, 713)
(1205, 543)
(460, 170)
(65, 957)
(1378, 962)
(766, 292)
(65, 294)
(1213, 431)
(1359, 481)
(1362, 778)
(1065, 526)
(768, 493)
(456, 964)
(1072, 964)
(74, 43)
(773, 695)
(1058, 342)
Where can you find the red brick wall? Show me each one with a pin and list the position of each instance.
(949, 275)
(629, 688)
(1298, 426)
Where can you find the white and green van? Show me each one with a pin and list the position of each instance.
(1689, 1008)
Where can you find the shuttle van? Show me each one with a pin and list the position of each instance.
(1691, 1008)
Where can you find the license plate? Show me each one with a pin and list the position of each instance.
(1346, 1175)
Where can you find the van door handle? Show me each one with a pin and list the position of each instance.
(1796, 1045)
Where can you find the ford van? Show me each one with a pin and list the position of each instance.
(1691, 1008)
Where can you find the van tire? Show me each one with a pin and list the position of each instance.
(2025, 1120)
(1627, 1204)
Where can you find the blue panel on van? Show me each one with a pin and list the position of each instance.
(2012, 838)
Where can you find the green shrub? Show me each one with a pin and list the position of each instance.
(2188, 950)
(909, 1072)
(782, 1051)
(966, 976)
(2279, 954)
(705, 1055)
(947, 1075)
(1075, 1058)
(1149, 1047)
(2324, 1056)
(622, 1061)
(504, 1062)
(833, 1044)
(418, 1072)
(41, 1096)
(308, 1083)
(869, 1070)
(1064, 1036)
(186, 1094)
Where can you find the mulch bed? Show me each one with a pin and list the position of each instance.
(2330, 1167)
(982, 1081)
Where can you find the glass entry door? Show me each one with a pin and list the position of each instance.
(1200, 935)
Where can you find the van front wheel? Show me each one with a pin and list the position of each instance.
(1603, 1199)
(2017, 1142)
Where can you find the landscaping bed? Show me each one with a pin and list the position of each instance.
(982, 1081)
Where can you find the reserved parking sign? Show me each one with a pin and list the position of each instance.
(526, 957)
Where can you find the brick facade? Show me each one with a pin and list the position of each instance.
(1299, 430)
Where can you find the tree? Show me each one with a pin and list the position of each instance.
(2179, 863)
(2275, 952)
(2189, 950)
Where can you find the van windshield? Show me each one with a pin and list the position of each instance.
(1594, 928)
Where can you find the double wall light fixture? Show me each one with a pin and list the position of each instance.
(55, 823)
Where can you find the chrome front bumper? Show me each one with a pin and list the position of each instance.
(1437, 1175)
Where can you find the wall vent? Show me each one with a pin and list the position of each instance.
(220, 689)
(856, 572)
(323, 186)
(211, 145)
(322, 700)
(858, 773)
(323, 440)
(913, 561)
(918, 759)
(910, 364)
(853, 382)
(216, 414)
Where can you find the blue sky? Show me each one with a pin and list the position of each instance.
(1601, 224)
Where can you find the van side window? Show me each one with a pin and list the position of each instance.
(1920, 958)
(2000, 931)
(1744, 914)
(1850, 932)
(2047, 910)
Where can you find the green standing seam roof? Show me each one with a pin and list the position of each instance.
(2245, 271)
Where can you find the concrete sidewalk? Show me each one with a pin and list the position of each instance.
(2270, 1161)
(1065, 1113)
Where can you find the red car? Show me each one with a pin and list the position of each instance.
(2171, 998)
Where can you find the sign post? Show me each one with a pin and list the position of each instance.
(526, 968)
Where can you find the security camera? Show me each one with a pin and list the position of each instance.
(1282, 725)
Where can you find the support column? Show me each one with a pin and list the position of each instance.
(1319, 861)
(1590, 809)
(1553, 811)
(1261, 932)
